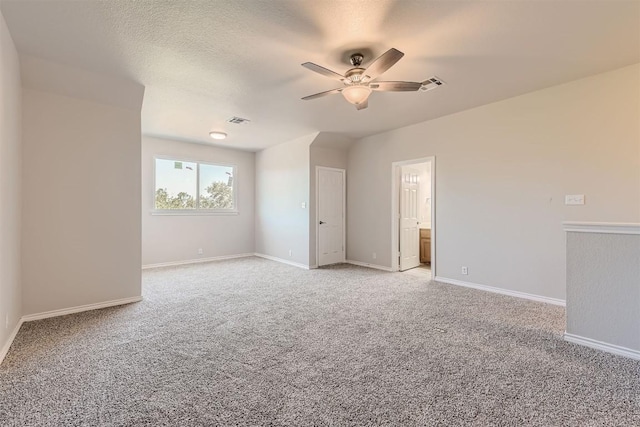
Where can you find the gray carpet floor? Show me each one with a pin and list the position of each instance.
(254, 342)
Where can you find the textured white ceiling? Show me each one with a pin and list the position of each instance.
(205, 61)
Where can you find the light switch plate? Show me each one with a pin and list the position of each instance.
(574, 199)
(303, 205)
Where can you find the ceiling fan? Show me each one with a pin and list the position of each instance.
(359, 82)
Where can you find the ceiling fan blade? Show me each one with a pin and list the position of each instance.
(395, 86)
(383, 63)
(324, 71)
(362, 105)
(318, 95)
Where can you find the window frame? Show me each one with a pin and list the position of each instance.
(197, 210)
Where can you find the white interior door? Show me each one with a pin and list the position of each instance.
(330, 189)
(409, 222)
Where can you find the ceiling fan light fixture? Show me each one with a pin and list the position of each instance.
(356, 94)
(217, 135)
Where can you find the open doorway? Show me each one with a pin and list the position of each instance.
(413, 217)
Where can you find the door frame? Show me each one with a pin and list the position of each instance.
(395, 210)
(344, 207)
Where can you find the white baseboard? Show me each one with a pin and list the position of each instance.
(603, 346)
(539, 298)
(364, 264)
(7, 345)
(78, 309)
(195, 261)
(283, 261)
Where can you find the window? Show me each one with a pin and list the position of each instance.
(183, 186)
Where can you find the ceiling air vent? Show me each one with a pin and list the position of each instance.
(431, 83)
(238, 120)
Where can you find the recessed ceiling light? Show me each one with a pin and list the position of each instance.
(218, 135)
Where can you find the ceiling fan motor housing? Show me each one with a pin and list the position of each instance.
(355, 75)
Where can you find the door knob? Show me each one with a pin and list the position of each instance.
(321, 222)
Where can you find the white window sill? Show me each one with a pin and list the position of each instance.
(178, 212)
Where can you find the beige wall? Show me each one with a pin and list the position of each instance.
(10, 177)
(81, 239)
(502, 171)
(173, 238)
(282, 185)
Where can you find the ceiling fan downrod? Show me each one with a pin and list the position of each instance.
(356, 59)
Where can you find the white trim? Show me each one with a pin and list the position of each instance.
(517, 294)
(179, 158)
(395, 209)
(364, 264)
(344, 210)
(7, 345)
(603, 346)
(195, 261)
(283, 261)
(191, 212)
(80, 308)
(601, 227)
(432, 263)
(313, 267)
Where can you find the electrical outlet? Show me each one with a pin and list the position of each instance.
(374, 255)
(290, 252)
(465, 270)
(200, 251)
